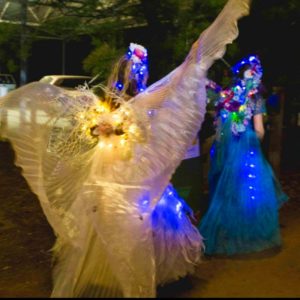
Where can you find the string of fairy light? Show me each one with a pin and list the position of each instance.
(119, 128)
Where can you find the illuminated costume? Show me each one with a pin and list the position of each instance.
(101, 174)
(177, 243)
(245, 196)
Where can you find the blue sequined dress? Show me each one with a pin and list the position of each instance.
(245, 195)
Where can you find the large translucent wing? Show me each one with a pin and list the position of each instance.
(176, 104)
(172, 109)
(33, 117)
(212, 42)
(210, 46)
(169, 113)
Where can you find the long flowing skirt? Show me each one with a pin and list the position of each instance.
(86, 271)
(245, 197)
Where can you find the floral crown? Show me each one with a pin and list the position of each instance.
(234, 99)
(254, 71)
(137, 53)
(139, 70)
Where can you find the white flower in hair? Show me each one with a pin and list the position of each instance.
(248, 74)
(138, 52)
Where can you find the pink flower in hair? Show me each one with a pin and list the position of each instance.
(139, 52)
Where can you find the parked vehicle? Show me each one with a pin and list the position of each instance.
(66, 81)
(7, 83)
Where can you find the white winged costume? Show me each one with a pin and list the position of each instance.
(99, 194)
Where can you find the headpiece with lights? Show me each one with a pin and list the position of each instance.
(252, 69)
(139, 69)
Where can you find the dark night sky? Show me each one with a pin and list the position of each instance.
(275, 41)
(46, 58)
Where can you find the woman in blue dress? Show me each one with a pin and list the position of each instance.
(245, 195)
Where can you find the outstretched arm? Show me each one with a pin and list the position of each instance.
(259, 125)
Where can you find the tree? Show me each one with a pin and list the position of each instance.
(166, 28)
(63, 20)
(100, 60)
(9, 47)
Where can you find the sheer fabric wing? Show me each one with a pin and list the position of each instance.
(30, 116)
(176, 104)
(172, 110)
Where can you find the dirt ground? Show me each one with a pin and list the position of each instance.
(25, 240)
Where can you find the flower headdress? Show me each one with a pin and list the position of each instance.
(137, 53)
(253, 71)
(139, 70)
(234, 100)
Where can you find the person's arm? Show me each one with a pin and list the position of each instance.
(259, 125)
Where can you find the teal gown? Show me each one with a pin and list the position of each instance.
(245, 195)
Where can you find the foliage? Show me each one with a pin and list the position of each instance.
(101, 59)
(178, 24)
(69, 21)
(10, 51)
(88, 10)
(167, 28)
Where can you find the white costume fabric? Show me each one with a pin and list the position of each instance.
(103, 197)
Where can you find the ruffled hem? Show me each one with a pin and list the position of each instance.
(177, 243)
(245, 200)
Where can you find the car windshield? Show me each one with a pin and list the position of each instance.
(46, 79)
(72, 82)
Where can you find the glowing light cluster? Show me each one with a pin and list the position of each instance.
(237, 101)
(112, 130)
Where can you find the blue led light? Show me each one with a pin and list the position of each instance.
(178, 206)
(250, 59)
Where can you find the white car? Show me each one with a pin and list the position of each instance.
(66, 81)
(7, 83)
